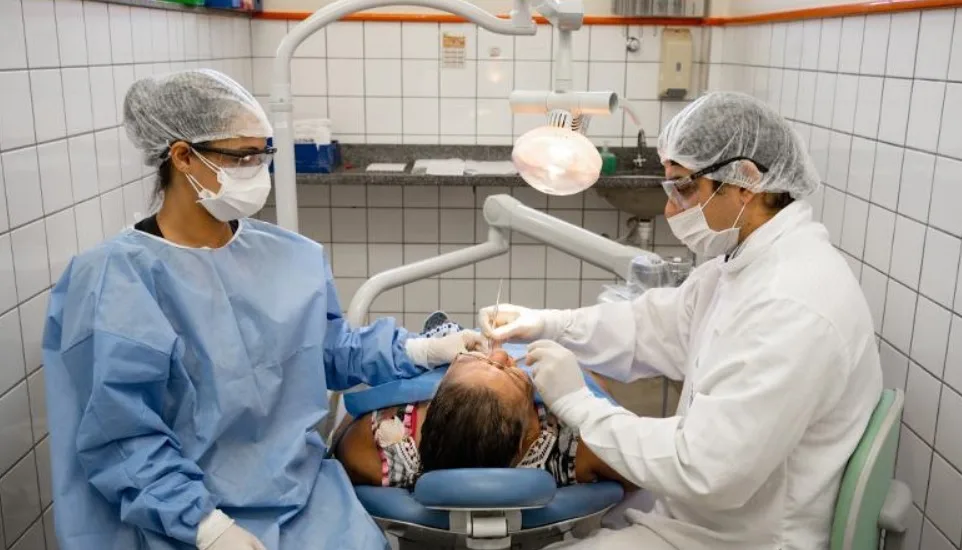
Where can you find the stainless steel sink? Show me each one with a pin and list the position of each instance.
(645, 202)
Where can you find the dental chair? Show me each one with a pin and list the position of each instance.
(871, 505)
(510, 508)
(516, 508)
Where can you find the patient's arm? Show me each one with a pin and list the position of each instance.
(357, 451)
(589, 469)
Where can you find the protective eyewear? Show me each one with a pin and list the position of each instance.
(240, 163)
(683, 191)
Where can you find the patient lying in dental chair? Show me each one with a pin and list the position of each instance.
(483, 415)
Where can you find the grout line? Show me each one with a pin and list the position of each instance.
(99, 195)
(39, 519)
(938, 405)
(62, 138)
(955, 291)
(949, 538)
(26, 55)
(931, 448)
(888, 276)
(13, 258)
(836, 72)
(877, 141)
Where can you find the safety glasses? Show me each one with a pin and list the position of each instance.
(240, 163)
(683, 191)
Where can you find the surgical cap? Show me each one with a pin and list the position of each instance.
(193, 106)
(724, 125)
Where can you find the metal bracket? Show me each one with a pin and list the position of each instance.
(486, 529)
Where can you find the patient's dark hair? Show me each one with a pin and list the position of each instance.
(468, 426)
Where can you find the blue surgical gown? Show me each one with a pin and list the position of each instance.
(180, 380)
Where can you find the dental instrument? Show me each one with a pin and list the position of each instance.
(556, 158)
(497, 303)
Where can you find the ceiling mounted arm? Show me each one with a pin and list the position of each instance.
(565, 15)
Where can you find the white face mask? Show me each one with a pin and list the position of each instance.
(238, 197)
(691, 228)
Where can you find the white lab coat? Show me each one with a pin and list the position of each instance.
(781, 371)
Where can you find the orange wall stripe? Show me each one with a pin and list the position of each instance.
(841, 10)
(825, 12)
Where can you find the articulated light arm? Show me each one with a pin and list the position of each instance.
(519, 23)
(566, 16)
(504, 215)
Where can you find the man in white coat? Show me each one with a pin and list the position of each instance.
(772, 336)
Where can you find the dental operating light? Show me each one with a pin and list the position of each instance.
(556, 159)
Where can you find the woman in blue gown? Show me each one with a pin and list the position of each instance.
(189, 359)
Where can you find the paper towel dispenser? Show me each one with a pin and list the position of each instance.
(674, 79)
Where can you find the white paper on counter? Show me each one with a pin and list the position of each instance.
(439, 167)
(490, 168)
(386, 167)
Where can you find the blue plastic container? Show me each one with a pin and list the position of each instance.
(231, 4)
(315, 159)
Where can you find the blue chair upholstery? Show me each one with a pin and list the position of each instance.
(474, 488)
(398, 504)
(574, 501)
(439, 495)
(533, 491)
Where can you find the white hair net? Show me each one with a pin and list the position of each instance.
(193, 106)
(725, 125)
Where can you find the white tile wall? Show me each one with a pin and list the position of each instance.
(65, 66)
(408, 98)
(885, 136)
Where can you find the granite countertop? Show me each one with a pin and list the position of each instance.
(356, 158)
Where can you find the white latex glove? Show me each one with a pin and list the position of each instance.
(555, 371)
(522, 324)
(433, 352)
(219, 532)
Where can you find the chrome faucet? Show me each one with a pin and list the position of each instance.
(632, 113)
(639, 159)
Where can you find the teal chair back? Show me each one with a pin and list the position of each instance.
(870, 502)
